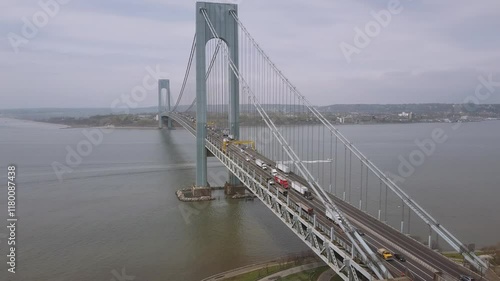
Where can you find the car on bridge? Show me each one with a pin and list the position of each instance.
(399, 257)
(385, 254)
(281, 190)
(270, 181)
(466, 278)
(361, 233)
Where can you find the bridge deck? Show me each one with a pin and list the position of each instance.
(421, 262)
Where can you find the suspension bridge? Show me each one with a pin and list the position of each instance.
(233, 95)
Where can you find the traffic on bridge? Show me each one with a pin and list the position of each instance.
(236, 83)
(410, 257)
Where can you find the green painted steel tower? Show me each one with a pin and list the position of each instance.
(227, 29)
(163, 84)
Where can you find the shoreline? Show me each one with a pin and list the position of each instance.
(297, 124)
(109, 128)
(26, 121)
(66, 126)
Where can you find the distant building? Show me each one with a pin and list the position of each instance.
(408, 115)
(345, 119)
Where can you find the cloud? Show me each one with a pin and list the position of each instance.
(93, 51)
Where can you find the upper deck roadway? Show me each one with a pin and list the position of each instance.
(421, 262)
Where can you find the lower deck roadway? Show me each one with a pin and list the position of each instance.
(425, 258)
(418, 268)
(421, 259)
(295, 197)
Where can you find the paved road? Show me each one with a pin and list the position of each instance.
(327, 275)
(293, 270)
(241, 270)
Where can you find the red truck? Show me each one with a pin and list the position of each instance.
(281, 180)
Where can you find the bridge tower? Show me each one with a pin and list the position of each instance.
(227, 29)
(163, 84)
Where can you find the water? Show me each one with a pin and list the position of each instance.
(458, 183)
(117, 209)
(450, 169)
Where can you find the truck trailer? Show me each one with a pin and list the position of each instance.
(261, 164)
(285, 169)
(302, 189)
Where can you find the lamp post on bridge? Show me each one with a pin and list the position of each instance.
(402, 206)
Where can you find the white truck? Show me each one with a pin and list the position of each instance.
(261, 164)
(283, 168)
(302, 189)
(333, 216)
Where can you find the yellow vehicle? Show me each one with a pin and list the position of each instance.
(226, 142)
(385, 254)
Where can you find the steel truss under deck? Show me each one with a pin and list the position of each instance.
(320, 238)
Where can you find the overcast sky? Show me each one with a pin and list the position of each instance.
(92, 52)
